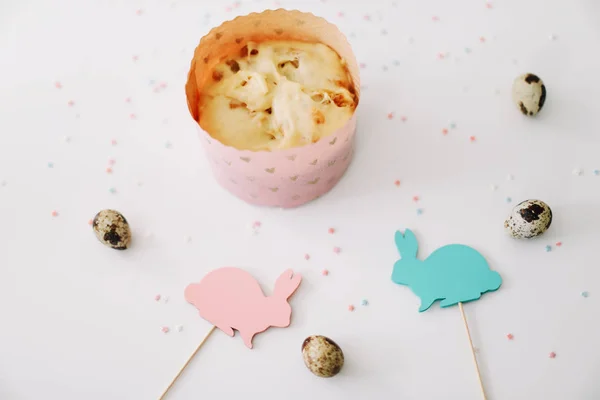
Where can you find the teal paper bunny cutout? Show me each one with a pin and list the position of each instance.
(454, 274)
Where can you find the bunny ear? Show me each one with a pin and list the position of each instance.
(407, 244)
(286, 284)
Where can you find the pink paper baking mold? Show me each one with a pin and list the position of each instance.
(281, 178)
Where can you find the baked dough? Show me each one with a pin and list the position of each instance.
(277, 95)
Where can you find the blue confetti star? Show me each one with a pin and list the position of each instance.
(50, 165)
(548, 248)
(508, 199)
(596, 172)
(419, 211)
(467, 50)
(364, 302)
(112, 190)
(585, 294)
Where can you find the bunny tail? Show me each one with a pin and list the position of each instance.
(190, 291)
(495, 281)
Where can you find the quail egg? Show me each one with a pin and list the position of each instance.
(322, 356)
(112, 229)
(529, 94)
(528, 219)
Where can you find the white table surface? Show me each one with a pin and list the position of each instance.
(79, 320)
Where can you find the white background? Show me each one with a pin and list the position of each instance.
(79, 321)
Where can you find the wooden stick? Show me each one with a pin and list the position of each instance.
(162, 396)
(462, 312)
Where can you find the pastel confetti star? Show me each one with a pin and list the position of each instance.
(444, 131)
(364, 302)
(493, 187)
(472, 139)
(415, 198)
(157, 297)
(113, 142)
(324, 272)
(548, 248)
(111, 161)
(390, 115)
(403, 118)
(482, 39)
(419, 211)
(179, 328)
(337, 250)
(50, 165)
(165, 329)
(452, 125)
(397, 183)
(508, 199)
(467, 50)
(71, 103)
(168, 145)
(331, 231)
(350, 308)
(54, 213)
(596, 172)
(552, 355)
(109, 170)
(577, 172)
(307, 257)
(58, 85)
(112, 190)
(90, 222)
(510, 336)
(585, 294)
(558, 244)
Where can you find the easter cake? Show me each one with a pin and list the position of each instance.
(277, 95)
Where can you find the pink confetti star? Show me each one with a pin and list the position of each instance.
(111, 161)
(139, 12)
(256, 224)
(54, 213)
(109, 170)
(113, 142)
(157, 297)
(558, 244)
(228, 8)
(397, 183)
(441, 56)
(340, 14)
(128, 100)
(90, 222)
(58, 85)
(416, 198)
(324, 272)
(71, 103)
(165, 329)
(403, 118)
(331, 231)
(307, 257)
(337, 250)
(135, 58)
(444, 131)
(367, 17)
(390, 115)
(472, 138)
(132, 116)
(350, 308)
(363, 65)
(482, 39)
(552, 355)
(489, 5)
(435, 18)
(510, 336)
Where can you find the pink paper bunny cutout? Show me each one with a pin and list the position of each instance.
(230, 298)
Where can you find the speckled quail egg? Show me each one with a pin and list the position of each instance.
(529, 94)
(528, 219)
(112, 229)
(322, 356)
